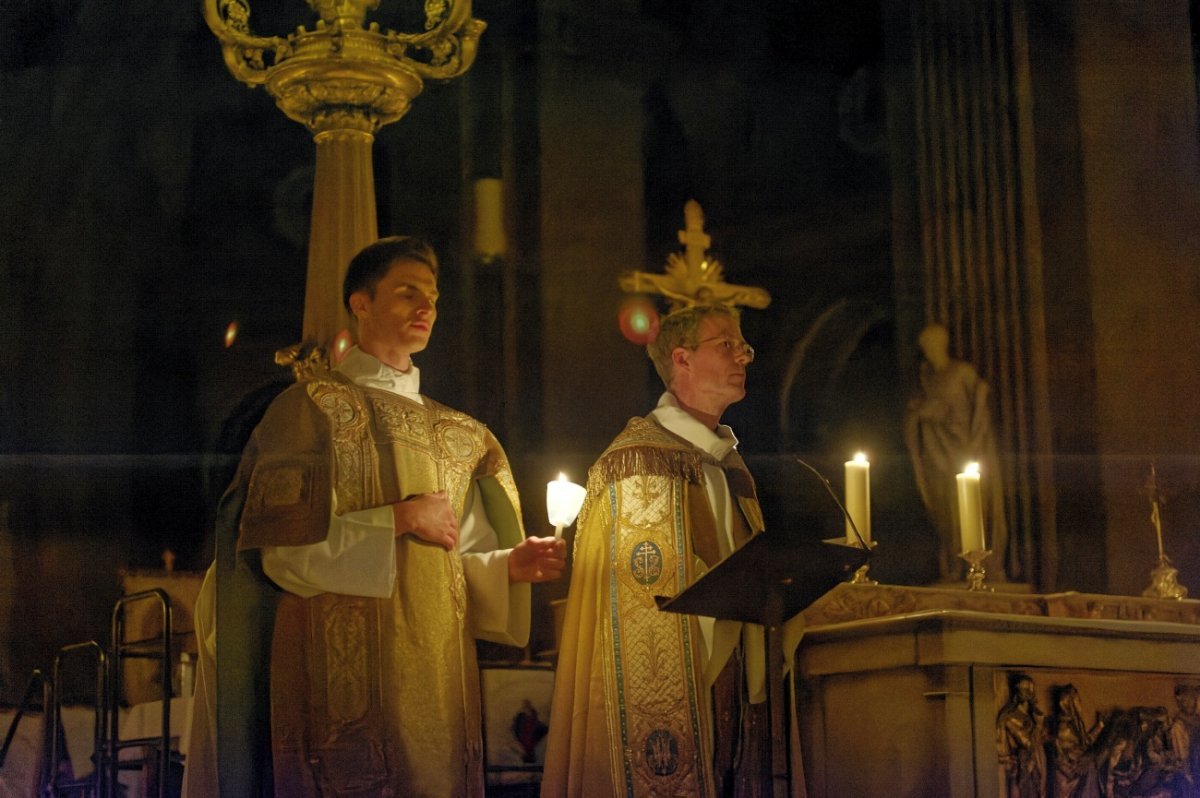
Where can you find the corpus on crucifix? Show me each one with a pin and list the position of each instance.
(694, 278)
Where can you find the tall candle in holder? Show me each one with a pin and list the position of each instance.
(970, 509)
(858, 499)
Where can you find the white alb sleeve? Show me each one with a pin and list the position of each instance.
(357, 558)
(499, 609)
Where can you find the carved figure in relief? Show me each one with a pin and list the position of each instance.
(1184, 735)
(1073, 753)
(1135, 759)
(948, 424)
(1020, 742)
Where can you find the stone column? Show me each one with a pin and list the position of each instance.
(343, 222)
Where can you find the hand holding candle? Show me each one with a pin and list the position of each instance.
(563, 502)
(970, 509)
(858, 499)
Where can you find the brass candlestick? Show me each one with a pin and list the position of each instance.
(976, 573)
(860, 576)
(1164, 578)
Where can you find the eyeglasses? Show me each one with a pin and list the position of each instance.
(730, 346)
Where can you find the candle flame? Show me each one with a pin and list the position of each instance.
(860, 457)
(971, 468)
(231, 334)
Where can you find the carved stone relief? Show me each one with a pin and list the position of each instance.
(1086, 746)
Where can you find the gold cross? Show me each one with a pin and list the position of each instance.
(694, 278)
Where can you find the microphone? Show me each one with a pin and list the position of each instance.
(833, 495)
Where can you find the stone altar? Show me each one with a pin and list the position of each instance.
(901, 691)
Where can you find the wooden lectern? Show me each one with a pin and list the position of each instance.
(768, 580)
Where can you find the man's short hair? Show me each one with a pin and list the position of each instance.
(373, 262)
(681, 328)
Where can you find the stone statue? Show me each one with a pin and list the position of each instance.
(1074, 766)
(1020, 742)
(1184, 734)
(947, 425)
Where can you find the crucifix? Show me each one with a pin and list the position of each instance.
(1164, 582)
(693, 278)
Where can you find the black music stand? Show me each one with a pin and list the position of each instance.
(768, 580)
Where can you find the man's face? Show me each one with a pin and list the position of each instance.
(716, 368)
(397, 321)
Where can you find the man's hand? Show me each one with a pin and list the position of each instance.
(537, 560)
(429, 517)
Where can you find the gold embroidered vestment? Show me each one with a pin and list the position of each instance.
(373, 696)
(631, 713)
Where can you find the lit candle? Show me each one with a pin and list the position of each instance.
(563, 501)
(970, 509)
(858, 498)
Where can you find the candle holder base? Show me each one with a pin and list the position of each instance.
(1164, 581)
(976, 573)
(860, 576)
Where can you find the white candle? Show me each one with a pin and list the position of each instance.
(563, 501)
(970, 509)
(858, 498)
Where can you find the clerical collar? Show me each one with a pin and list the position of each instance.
(679, 421)
(370, 371)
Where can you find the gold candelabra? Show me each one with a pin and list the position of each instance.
(343, 79)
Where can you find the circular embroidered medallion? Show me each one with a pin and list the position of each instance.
(338, 409)
(662, 752)
(646, 562)
(457, 441)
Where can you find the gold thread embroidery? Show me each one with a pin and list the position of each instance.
(401, 423)
(346, 661)
(348, 420)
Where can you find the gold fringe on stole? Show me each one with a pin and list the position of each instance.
(643, 448)
(643, 460)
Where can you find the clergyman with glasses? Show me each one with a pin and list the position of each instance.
(648, 702)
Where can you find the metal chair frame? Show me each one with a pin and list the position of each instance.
(107, 745)
(158, 648)
(96, 783)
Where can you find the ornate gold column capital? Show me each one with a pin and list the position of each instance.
(345, 73)
(344, 79)
(361, 92)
